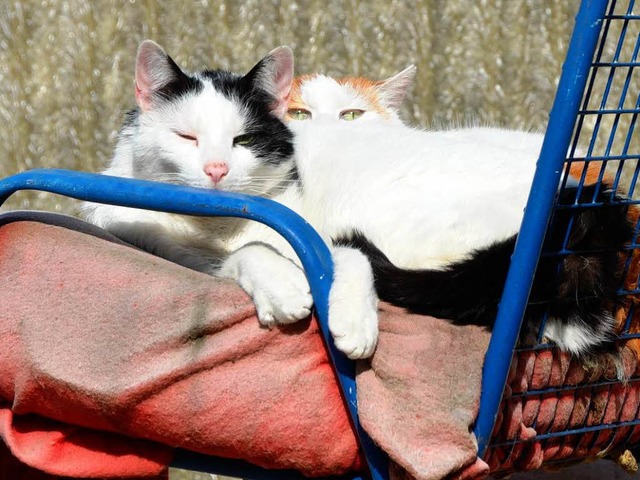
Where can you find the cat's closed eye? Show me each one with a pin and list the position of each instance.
(244, 140)
(299, 114)
(187, 136)
(352, 114)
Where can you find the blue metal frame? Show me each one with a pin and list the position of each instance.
(537, 212)
(610, 103)
(316, 258)
(308, 245)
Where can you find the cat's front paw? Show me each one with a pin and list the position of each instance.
(282, 297)
(278, 287)
(353, 305)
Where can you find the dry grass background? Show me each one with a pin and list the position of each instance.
(66, 66)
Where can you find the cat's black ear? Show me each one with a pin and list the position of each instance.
(393, 90)
(274, 75)
(155, 70)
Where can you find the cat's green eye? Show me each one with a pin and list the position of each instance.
(352, 114)
(244, 140)
(299, 114)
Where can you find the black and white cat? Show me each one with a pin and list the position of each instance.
(222, 131)
(440, 206)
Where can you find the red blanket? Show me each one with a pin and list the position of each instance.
(91, 339)
(111, 357)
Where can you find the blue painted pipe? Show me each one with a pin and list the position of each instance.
(562, 119)
(308, 245)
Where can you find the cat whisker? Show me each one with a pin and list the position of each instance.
(284, 178)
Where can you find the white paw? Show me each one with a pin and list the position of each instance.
(353, 304)
(278, 287)
(282, 295)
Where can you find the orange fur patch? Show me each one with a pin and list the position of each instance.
(630, 303)
(295, 100)
(366, 89)
(363, 87)
(592, 174)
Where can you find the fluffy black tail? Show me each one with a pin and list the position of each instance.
(571, 287)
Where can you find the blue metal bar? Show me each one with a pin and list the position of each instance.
(585, 103)
(601, 158)
(308, 245)
(569, 388)
(623, 96)
(545, 183)
(616, 64)
(627, 324)
(625, 148)
(627, 266)
(603, 103)
(575, 431)
(633, 182)
(612, 111)
(627, 143)
(622, 17)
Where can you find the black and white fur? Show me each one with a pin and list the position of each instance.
(437, 212)
(435, 201)
(575, 291)
(222, 131)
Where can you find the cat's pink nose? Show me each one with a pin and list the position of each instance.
(216, 170)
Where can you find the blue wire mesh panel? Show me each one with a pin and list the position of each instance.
(557, 408)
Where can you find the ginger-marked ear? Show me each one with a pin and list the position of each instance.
(154, 70)
(393, 90)
(274, 75)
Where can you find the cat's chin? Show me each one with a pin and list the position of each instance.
(219, 187)
(224, 188)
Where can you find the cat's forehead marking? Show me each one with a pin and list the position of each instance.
(324, 94)
(209, 111)
(367, 89)
(296, 89)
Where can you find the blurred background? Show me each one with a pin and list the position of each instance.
(66, 67)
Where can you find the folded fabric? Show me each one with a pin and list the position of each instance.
(112, 358)
(105, 345)
(419, 395)
(67, 448)
(104, 337)
(532, 407)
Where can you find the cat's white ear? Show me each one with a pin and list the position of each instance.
(393, 90)
(274, 75)
(154, 70)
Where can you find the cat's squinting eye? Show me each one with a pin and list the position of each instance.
(352, 114)
(186, 136)
(243, 140)
(299, 114)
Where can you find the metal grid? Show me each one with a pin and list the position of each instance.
(604, 130)
(605, 148)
